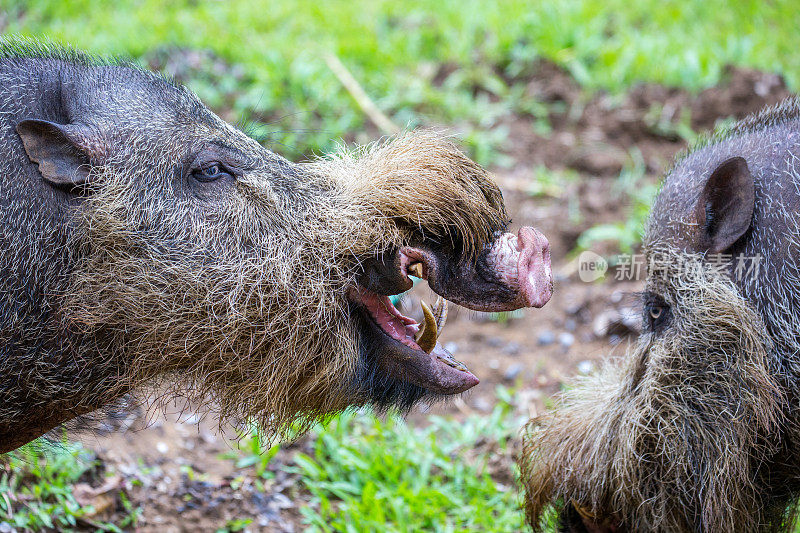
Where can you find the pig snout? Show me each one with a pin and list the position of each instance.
(522, 262)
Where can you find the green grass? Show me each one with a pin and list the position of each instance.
(378, 474)
(365, 473)
(373, 475)
(36, 489)
(395, 49)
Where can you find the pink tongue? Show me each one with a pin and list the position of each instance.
(394, 326)
(390, 320)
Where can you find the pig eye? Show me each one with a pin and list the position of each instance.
(210, 173)
(656, 313)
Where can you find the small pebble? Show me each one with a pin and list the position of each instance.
(513, 371)
(482, 404)
(192, 419)
(162, 447)
(566, 340)
(5, 527)
(570, 324)
(282, 501)
(585, 367)
(632, 319)
(625, 321)
(546, 338)
(574, 309)
(495, 342)
(512, 348)
(494, 364)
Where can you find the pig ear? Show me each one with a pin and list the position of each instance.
(64, 152)
(725, 207)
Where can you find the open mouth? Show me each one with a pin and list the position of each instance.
(513, 272)
(416, 356)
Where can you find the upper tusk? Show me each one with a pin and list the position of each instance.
(415, 269)
(584, 512)
(429, 332)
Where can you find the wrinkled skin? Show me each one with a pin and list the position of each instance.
(148, 245)
(696, 429)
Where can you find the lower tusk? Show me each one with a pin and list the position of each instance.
(429, 332)
(440, 314)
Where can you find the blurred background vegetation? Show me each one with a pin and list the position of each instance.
(454, 63)
(462, 65)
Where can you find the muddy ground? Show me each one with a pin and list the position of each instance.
(536, 351)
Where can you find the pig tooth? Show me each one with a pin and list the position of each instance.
(415, 269)
(440, 314)
(426, 339)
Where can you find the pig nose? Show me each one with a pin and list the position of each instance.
(534, 269)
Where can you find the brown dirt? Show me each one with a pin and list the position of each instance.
(596, 135)
(173, 469)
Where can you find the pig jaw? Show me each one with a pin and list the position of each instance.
(433, 368)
